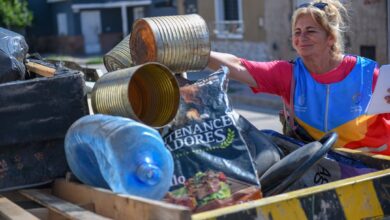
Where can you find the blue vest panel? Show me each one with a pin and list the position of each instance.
(328, 106)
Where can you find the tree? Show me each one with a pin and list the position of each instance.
(15, 14)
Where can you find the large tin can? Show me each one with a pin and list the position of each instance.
(182, 42)
(148, 93)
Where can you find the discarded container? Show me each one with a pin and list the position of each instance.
(40, 109)
(119, 56)
(181, 42)
(119, 153)
(35, 115)
(148, 93)
(24, 165)
(13, 49)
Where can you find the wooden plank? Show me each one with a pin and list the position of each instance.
(40, 213)
(40, 69)
(46, 214)
(117, 206)
(14, 196)
(60, 206)
(9, 210)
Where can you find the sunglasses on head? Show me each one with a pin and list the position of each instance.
(319, 5)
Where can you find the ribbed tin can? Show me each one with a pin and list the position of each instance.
(148, 93)
(119, 56)
(181, 42)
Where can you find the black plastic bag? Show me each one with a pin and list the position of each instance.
(13, 49)
(207, 134)
(31, 164)
(42, 108)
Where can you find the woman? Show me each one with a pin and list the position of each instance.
(323, 89)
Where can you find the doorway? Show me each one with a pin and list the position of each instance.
(91, 28)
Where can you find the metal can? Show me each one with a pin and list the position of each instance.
(148, 93)
(119, 56)
(181, 42)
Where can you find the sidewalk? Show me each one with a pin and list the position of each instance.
(242, 94)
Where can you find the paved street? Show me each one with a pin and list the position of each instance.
(262, 118)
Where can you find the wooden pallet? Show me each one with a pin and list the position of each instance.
(362, 197)
(71, 200)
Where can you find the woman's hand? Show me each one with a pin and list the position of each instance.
(387, 98)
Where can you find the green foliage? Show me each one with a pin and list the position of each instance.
(94, 60)
(15, 14)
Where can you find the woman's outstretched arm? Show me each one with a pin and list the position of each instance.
(237, 70)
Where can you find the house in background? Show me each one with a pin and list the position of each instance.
(235, 26)
(261, 29)
(87, 26)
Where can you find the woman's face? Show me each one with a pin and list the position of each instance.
(310, 39)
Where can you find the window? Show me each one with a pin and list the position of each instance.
(165, 3)
(230, 10)
(62, 24)
(190, 6)
(368, 51)
(228, 19)
(138, 12)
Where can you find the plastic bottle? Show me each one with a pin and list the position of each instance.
(13, 50)
(120, 154)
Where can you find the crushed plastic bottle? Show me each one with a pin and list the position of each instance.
(13, 49)
(119, 154)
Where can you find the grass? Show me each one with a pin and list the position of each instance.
(86, 61)
(57, 57)
(94, 60)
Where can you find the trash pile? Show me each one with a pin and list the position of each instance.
(211, 190)
(148, 130)
(35, 113)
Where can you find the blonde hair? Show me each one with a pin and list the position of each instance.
(333, 18)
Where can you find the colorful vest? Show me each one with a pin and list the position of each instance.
(338, 107)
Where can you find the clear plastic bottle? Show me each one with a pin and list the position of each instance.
(13, 50)
(120, 154)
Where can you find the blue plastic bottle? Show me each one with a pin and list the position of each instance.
(119, 154)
